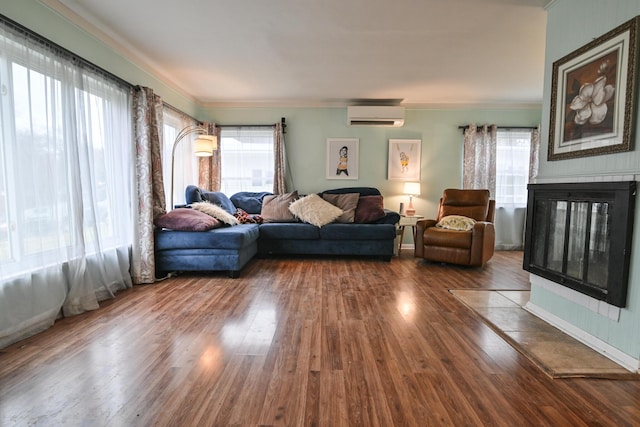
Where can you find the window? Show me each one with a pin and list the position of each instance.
(512, 167)
(65, 156)
(247, 159)
(186, 164)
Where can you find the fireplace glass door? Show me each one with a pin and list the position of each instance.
(579, 236)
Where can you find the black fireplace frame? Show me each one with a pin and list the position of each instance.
(621, 196)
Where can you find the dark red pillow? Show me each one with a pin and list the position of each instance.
(185, 219)
(369, 209)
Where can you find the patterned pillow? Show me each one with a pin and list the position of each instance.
(315, 210)
(456, 222)
(215, 211)
(245, 218)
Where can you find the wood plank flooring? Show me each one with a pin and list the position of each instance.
(299, 341)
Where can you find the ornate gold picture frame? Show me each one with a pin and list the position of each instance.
(593, 95)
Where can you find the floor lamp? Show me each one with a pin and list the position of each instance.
(203, 146)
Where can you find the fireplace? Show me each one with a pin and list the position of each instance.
(579, 235)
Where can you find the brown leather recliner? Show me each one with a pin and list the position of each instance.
(473, 247)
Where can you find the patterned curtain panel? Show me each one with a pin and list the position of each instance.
(147, 111)
(279, 182)
(209, 167)
(534, 158)
(480, 158)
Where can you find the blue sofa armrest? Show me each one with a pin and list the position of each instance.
(391, 217)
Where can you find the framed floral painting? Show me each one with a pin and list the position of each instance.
(404, 159)
(593, 93)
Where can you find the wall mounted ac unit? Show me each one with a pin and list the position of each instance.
(373, 115)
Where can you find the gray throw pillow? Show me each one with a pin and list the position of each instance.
(275, 208)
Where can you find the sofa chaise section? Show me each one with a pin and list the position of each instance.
(221, 249)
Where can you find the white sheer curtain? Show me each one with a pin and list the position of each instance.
(512, 176)
(65, 184)
(503, 160)
(247, 159)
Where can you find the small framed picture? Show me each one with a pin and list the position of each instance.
(342, 158)
(404, 159)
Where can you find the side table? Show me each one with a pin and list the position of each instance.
(407, 221)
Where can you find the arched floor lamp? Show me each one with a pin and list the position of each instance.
(203, 146)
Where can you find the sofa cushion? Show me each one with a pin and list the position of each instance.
(315, 210)
(348, 202)
(275, 208)
(220, 238)
(185, 219)
(370, 209)
(289, 231)
(249, 202)
(215, 211)
(350, 232)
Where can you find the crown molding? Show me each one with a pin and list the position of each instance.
(88, 24)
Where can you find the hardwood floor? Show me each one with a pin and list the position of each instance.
(301, 341)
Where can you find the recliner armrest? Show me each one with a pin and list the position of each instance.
(422, 225)
(482, 242)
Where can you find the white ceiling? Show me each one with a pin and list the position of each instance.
(330, 52)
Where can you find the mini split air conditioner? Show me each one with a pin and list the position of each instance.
(370, 115)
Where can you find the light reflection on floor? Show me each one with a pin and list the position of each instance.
(253, 334)
(406, 305)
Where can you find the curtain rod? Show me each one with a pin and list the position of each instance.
(66, 53)
(465, 127)
(282, 121)
(171, 107)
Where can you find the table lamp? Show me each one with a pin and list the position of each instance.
(411, 189)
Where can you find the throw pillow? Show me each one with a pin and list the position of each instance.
(456, 222)
(185, 219)
(220, 199)
(315, 210)
(348, 202)
(370, 209)
(246, 218)
(275, 208)
(215, 211)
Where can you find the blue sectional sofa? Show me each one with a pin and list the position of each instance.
(231, 248)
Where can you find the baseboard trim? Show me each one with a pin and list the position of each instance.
(610, 352)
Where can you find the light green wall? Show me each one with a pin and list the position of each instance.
(309, 128)
(48, 23)
(571, 24)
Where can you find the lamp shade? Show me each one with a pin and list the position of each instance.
(204, 145)
(411, 188)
